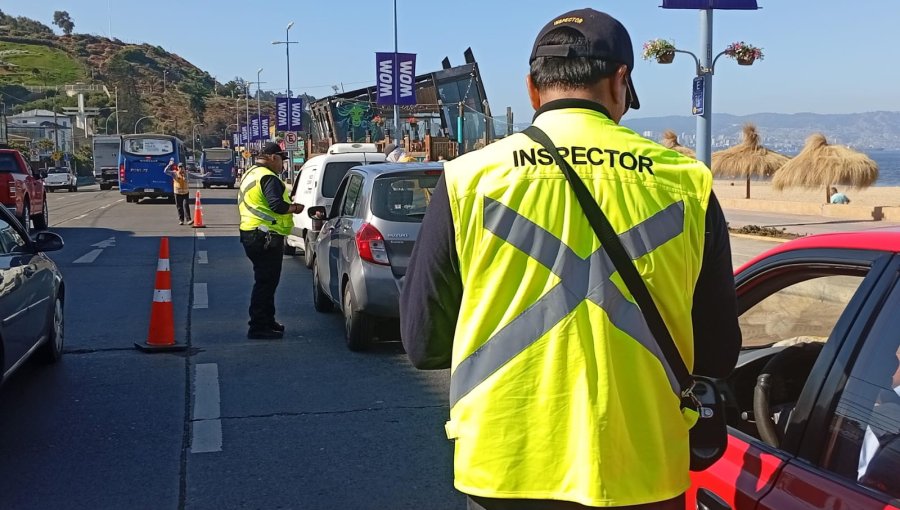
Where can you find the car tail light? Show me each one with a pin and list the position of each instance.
(122, 172)
(12, 188)
(370, 244)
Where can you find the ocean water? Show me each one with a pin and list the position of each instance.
(888, 166)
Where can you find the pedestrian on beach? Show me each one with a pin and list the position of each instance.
(182, 190)
(558, 396)
(838, 197)
(266, 218)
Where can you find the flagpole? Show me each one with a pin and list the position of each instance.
(396, 85)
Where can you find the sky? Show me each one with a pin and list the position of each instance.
(821, 56)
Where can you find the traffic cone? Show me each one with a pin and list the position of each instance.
(161, 334)
(198, 213)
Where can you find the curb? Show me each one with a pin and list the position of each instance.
(761, 238)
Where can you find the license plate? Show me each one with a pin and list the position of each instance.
(149, 190)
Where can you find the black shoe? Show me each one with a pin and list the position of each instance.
(277, 326)
(264, 334)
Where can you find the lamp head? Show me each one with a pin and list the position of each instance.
(290, 25)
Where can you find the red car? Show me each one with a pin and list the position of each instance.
(813, 406)
(22, 191)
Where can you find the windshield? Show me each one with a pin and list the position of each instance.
(217, 154)
(148, 146)
(8, 164)
(403, 197)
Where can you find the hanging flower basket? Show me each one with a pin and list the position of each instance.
(661, 50)
(665, 57)
(744, 53)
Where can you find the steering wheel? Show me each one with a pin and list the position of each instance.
(779, 385)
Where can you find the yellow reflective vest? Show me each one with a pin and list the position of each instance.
(254, 207)
(558, 390)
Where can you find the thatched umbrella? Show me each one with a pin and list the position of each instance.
(670, 140)
(823, 165)
(747, 159)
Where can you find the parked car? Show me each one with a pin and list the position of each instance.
(32, 297)
(22, 190)
(813, 406)
(363, 248)
(60, 178)
(317, 183)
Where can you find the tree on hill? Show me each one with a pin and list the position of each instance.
(64, 21)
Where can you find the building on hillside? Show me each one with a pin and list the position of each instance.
(354, 116)
(43, 124)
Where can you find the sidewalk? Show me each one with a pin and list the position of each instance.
(803, 224)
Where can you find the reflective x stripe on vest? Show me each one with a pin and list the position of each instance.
(580, 279)
(252, 210)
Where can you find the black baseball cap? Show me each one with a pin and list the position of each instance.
(606, 40)
(273, 149)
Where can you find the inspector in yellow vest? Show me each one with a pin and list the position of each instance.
(254, 207)
(558, 390)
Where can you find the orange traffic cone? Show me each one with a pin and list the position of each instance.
(198, 213)
(161, 334)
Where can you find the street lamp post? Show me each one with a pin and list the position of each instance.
(139, 121)
(287, 51)
(165, 71)
(258, 109)
(115, 111)
(247, 108)
(396, 106)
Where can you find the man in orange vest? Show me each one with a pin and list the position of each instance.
(179, 177)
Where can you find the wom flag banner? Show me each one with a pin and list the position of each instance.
(244, 135)
(396, 78)
(282, 114)
(264, 128)
(296, 109)
(254, 129)
(236, 139)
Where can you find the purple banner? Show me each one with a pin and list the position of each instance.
(254, 129)
(244, 135)
(264, 128)
(743, 5)
(282, 114)
(296, 114)
(395, 78)
(236, 139)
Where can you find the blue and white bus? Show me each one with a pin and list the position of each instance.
(219, 163)
(142, 163)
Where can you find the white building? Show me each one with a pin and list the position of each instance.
(37, 124)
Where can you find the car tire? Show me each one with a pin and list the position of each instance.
(51, 190)
(73, 189)
(321, 302)
(307, 251)
(231, 186)
(42, 221)
(105, 187)
(51, 351)
(357, 330)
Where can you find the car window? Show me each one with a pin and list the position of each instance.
(339, 199)
(807, 310)
(354, 187)
(8, 164)
(332, 175)
(403, 197)
(10, 239)
(863, 437)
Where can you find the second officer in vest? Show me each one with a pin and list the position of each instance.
(559, 397)
(266, 210)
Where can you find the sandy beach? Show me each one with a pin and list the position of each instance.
(762, 190)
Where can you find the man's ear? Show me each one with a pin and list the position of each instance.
(533, 93)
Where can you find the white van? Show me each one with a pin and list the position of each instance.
(318, 182)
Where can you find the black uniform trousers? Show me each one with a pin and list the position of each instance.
(266, 257)
(183, 204)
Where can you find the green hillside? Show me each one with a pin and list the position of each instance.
(35, 64)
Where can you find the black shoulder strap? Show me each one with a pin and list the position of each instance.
(622, 262)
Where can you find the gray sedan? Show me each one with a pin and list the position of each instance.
(364, 245)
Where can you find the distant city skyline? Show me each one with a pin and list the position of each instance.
(821, 56)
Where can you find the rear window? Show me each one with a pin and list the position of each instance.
(148, 146)
(403, 197)
(332, 175)
(8, 164)
(217, 154)
(58, 171)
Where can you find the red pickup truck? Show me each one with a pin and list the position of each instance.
(22, 191)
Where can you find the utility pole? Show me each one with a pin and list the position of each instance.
(247, 106)
(165, 71)
(287, 51)
(396, 106)
(258, 109)
(460, 126)
(509, 121)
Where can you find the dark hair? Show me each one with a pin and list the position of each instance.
(567, 73)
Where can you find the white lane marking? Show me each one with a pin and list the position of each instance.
(106, 243)
(107, 205)
(78, 217)
(202, 257)
(201, 236)
(201, 296)
(206, 433)
(88, 257)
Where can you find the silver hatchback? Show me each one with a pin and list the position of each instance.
(363, 248)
